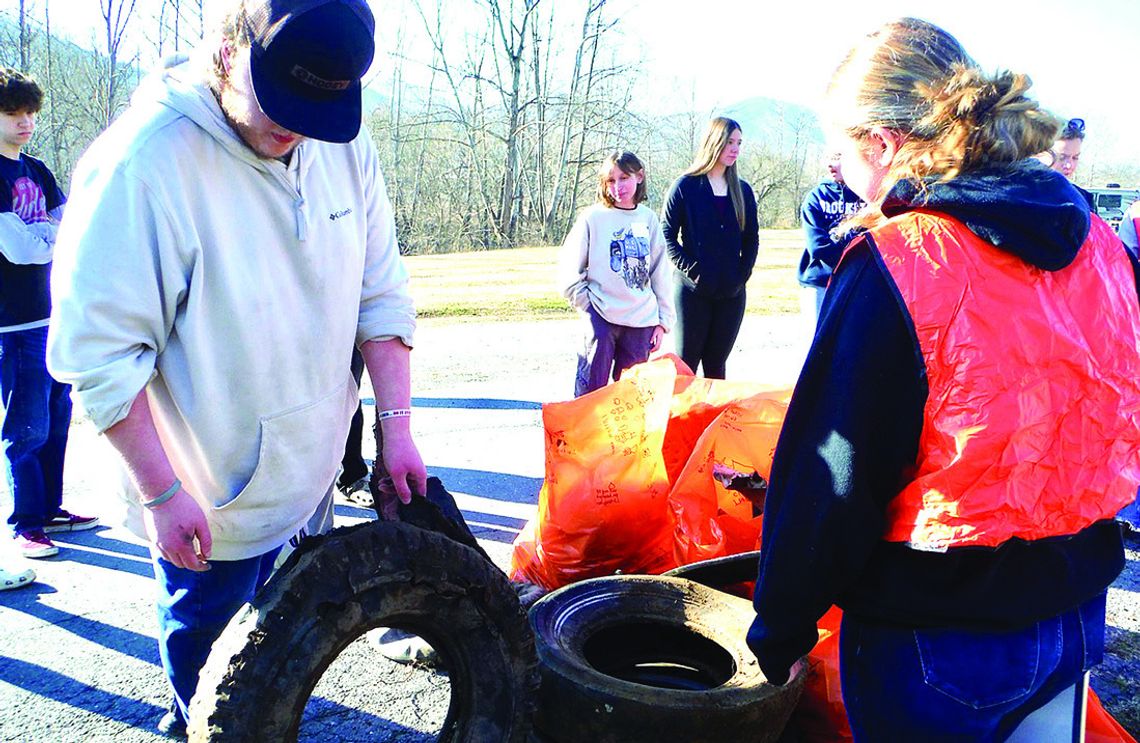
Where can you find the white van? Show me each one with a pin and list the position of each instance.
(1112, 201)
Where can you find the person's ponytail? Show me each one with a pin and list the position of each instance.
(912, 77)
(978, 121)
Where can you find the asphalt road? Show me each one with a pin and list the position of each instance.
(79, 660)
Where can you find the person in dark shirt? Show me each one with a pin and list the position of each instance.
(829, 204)
(967, 422)
(37, 408)
(710, 227)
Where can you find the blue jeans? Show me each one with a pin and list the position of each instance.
(37, 413)
(194, 608)
(935, 685)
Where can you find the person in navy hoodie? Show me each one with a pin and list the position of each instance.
(37, 409)
(967, 422)
(823, 210)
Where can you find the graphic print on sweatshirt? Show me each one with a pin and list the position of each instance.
(629, 255)
(28, 201)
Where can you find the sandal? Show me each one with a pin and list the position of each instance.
(10, 579)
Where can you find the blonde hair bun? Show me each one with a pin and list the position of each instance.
(915, 78)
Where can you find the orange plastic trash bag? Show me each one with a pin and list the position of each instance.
(630, 483)
(1100, 727)
(716, 506)
(602, 508)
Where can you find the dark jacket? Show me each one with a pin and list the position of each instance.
(851, 437)
(712, 255)
(27, 187)
(826, 206)
(1088, 197)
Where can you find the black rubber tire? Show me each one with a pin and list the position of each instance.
(578, 702)
(333, 589)
(731, 574)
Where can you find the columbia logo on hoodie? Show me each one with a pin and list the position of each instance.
(334, 216)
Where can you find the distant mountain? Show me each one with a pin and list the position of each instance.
(372, 99)
(775, 122)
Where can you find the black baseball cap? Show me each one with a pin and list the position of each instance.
(306, 61)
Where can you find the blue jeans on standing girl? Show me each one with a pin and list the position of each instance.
(942, 684)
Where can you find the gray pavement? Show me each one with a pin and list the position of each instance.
(79, 660)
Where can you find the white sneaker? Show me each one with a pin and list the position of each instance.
(404, 647)
(11, 578)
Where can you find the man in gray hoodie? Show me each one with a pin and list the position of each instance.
(229, 241)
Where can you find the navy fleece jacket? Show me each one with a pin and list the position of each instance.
(712, 255)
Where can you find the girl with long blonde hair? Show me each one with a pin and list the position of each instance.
(710, 226)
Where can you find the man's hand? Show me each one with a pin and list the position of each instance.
(177, 528)
(390, 370)
(179, 531)
(407, 475)
(656, 338)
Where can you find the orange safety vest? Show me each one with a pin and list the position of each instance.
(1032, 424)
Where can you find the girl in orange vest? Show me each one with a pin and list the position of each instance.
(968, 420)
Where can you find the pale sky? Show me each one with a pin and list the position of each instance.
(1082, 55)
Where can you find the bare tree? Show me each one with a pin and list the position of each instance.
(540, 67)
(467, 113)
(25, 37)
(592, 39)
(52, 117)
(116, 17)
(585, 54)
(511, 35)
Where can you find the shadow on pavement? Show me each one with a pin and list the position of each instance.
(92, 548)
(498, 486)
(325, 720)
(474, 403)
(493, 485)
(98, 538)
(52, 685)
(133, 644)
(491, 534)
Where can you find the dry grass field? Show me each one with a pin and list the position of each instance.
(520, 284)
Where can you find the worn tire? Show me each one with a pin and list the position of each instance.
(333, 589)
(732, 574)
(645, 628)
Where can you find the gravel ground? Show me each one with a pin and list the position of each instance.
(80, 664)
(1117, 679)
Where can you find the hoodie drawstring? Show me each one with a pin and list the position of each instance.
(302, 219)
